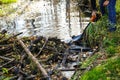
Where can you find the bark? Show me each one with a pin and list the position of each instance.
(33, 59)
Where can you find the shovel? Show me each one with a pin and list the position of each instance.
(79, 37)
(92, 19)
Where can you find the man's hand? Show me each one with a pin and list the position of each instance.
(93, 17)
(106, 3)
(94, 13)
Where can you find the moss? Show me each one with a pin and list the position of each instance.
(89, 61)
(107, 71)
(110, 42)
(6, 8)
(118, 6)
(111, 50)
(7, 1)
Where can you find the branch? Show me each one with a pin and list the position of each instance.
(33, 59)
(42, 47)
(5, 40)
(5, 58)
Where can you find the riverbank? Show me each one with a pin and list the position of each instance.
(103, 65)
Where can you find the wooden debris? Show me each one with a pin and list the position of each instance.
(19, 57)
(33, 58)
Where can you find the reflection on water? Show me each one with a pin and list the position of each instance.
(49, 18)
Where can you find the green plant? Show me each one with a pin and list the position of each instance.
(7, 1)
(95, 74)
(118, 6)
(5, 70)
(111, 50)
(4, 78)
(108, 42)
(89, 61)
(107, 71)
(6, 8)
(96, 31)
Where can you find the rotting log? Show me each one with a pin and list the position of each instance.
(33, 59)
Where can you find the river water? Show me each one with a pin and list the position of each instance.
(49, 18)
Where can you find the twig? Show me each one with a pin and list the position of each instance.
(65, 57)
(6, 55)
(11, 37)
(33, 59)
(14, 78)
(6, 63)
(42, 47)
(5, 58)
(30, 77)
(1, 73)
(72, 69)
(20, 77)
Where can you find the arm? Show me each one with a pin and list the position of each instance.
(93, 6)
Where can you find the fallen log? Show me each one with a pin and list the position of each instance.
(34, 59)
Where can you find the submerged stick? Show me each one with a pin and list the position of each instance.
(33, 59)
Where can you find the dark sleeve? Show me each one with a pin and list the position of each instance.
(93, 4)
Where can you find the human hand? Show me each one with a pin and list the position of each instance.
(93, 17)
(106, 3)
(94, 13)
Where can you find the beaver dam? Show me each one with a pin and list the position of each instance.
(36, 57)
(39, 58)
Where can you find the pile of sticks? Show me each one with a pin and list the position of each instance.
(29, 57)
(36, 58)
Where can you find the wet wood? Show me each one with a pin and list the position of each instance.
(20, 77)
(6, 58)
(42, 47)
(65, 57)
(68, 15)
(6, 39)
(21, 56)
(6, 63)
(33, 59)
(72, 69)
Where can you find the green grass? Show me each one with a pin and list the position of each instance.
(110, 43)
(7, 1)
(5, 8)
(118, 6)
(89, 61)
(107, 71)
(96, 31)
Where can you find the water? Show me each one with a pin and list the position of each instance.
(48, 18)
